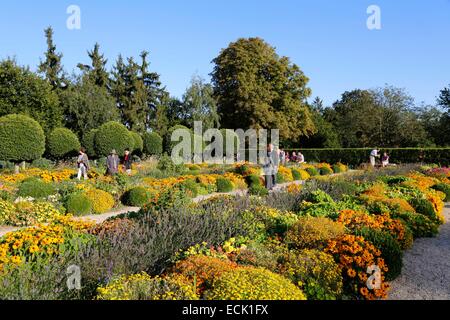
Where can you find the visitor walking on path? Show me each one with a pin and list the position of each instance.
(83, 164)
(373, 155)
(127, 162)
(112, 163)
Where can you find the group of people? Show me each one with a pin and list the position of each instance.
(112, 163)
(374, 154)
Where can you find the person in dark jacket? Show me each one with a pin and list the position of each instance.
(112, 163)
(127, 162)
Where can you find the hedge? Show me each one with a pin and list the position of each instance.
(357, 156)
(138, 143)
(21, 138)
(62, 143)
(113, 135)
(153, 144)
(89, 143)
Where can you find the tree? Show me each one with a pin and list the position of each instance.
(62, 143)
(51, 67)
(444, 98)
(112, 135)
(444, 101)
(199, 104)
(138, 143)
(23, 92)
(153, 144)
(255, 88)
(96, 72)
(21, 139)
(87, 106)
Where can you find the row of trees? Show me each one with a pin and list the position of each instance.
(252, 87)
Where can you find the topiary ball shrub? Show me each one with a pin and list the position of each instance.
(224, 185)
(253, 180)
(324, 171)
(62, 143)
(21, 138)
(78, 204)
(312, 171)
(36, 189)
(253, 284)
(101, 200)
(389, 247)
(315, 272)
(113, 135)
(153, 144)
(136, 197)
(138, 143)
(296, 175)
(89, 143)
(445, 188)
(313, 233)
(144, 287)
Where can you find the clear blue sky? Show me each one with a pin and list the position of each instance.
(328, 39)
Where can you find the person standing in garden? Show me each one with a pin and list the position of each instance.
(270, 167)
(112, 163)
(300, 157)
(83, 164)
(385, 160)
(127, 162)
(373, 155)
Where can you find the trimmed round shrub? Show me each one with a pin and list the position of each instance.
(324, 171)
(258, 190)
(153, 144)
(203, 270)
(253, 180)
(138, 143)
(136, 197)
(296, 175)
(144, 287)
(89, 143)
(389, 247)
(190, 187)
(312, 171)
(21, 138)
(445, 188)
(78, 204)
(112, 135)
(253, 284)
(224, 185)
(63, 143)
(315, 273)
(313, 233)
(101, 200)
(36, 188)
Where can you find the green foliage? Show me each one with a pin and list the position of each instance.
(136, 197)
(78, 204)
(190, 187)
(324, 171)
(43, 163)
(313, 233)
(253, 284)
(420, 225)
(63, 143)
(313, 171)
(224, 185)
(35, 188)
(89, 143)
(21, 138)
(316, 273)
(445, 188)
(251, 94)
(23, 92)
(296, 175)
(138, 143)
(153, 144)
(113, 135)
(258, 190)
(228, 134)
(390, 249)
(425, 207)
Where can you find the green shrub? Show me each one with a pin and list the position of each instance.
(229, 134)
(337, 168)
(253, 180)
(253, 284)
(324, 171)
(89, 143)
(78, 204)
(389, 247)
(315, 273)
(420, 225)
(425, 207)
(21, 138)
(224, 185)
(63, 143)
(313, 233)
(258, 190)
(280, 178)
(445, 188)
(36, 189)
(42, 163)
(168, 143)
(112, 135)
(190, 187)
(136, 197)
(313, 171)
(296, 175)
(138, 143)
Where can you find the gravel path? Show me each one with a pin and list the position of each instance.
(426, 270)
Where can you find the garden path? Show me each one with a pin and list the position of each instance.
(426, 270)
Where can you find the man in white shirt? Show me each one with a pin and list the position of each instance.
(373, 155)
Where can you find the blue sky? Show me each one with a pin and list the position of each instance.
(328, 39)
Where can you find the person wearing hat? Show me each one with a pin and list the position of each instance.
(112, 163)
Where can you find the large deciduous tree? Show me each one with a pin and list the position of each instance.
(256, 88)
